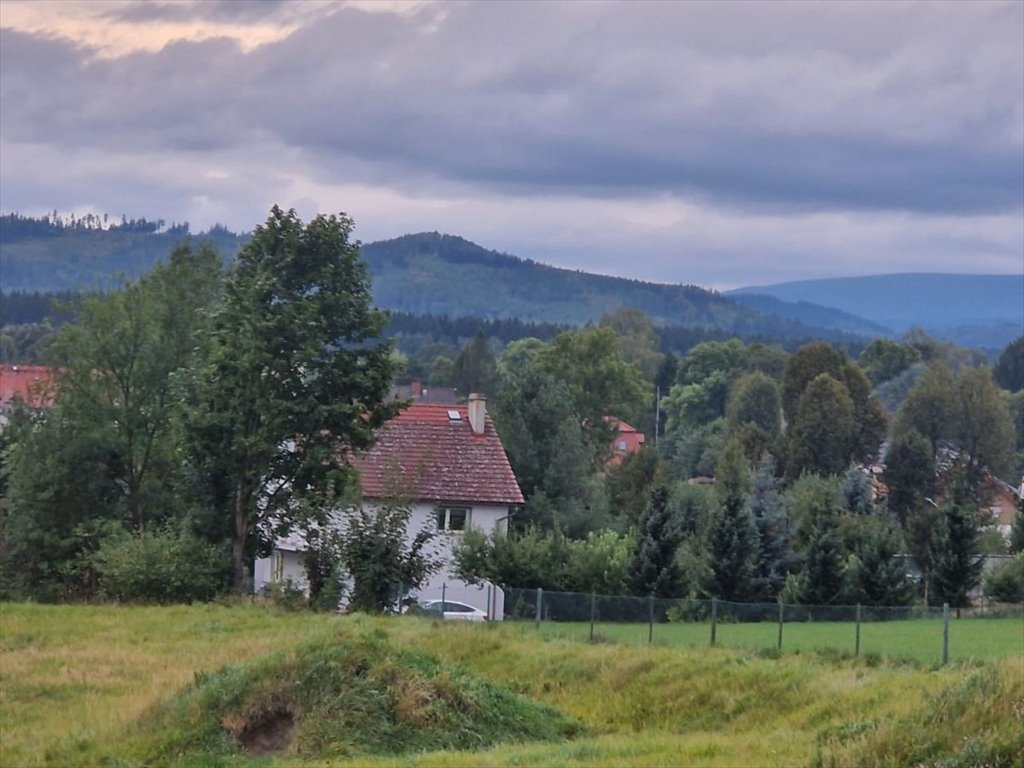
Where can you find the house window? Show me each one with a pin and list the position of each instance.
(278, 565)
(622, 445)
(452, 518)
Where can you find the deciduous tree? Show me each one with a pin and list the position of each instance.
(822, 433)
(295, 379)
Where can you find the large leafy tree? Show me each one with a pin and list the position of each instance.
(931, 407)
(884, 359)
(822, 434)
(106, 450)
(754, 399)
(599, 381)
(118, 361)
(985, 431)
(639, 339)
(803, 367)
(543, 437)
(295, 378)
(909, 473)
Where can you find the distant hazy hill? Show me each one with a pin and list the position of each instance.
(811, 314)
(980, 310)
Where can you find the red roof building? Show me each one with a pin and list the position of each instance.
(628, 440)
(440, 453)
(32, 384)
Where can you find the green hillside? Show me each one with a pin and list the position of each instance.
(420, 274)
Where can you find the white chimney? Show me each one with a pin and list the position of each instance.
(477, 412)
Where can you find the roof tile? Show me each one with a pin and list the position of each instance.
(425, 455)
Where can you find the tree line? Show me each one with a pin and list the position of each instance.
(204, 411)
(766, 482)
(200, 414)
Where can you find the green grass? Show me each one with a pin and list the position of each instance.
(917, 639)
(99, 685)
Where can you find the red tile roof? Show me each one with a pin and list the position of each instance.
(425, 455)
(32, 383)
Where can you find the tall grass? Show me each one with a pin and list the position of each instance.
(73, 679)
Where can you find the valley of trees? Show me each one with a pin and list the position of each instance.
(203, 410)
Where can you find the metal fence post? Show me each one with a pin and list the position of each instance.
(593, 613)
(714, 619)
(540, 598)
(781, 618)
(945, 633)
(650, 618)
(856, 645)
(444, 596)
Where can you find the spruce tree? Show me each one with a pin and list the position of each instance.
(733, 546)
(822, 575)
(956, 566)
(653, 569)
(775, 556)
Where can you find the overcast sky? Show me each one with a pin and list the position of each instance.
(720, 144)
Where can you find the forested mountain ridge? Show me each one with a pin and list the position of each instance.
(432, 273)
(89, 254)
(427, 273)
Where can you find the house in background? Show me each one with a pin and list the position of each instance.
(32, 384)
(417, 393)
(447, 462)
(1003, 504)
(627, 440)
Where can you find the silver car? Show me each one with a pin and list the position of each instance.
(451, 610)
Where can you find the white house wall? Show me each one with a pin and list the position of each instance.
(483, 517)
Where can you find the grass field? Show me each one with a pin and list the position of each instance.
(78, 685)
(918, 639)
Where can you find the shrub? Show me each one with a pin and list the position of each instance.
(1005, 584)
(170, 565)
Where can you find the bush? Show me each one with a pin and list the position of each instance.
(286, 596)
(1005, 584)
(170, 565)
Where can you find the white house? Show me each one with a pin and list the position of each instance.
(448, 461)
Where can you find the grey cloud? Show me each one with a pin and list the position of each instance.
(754, 105)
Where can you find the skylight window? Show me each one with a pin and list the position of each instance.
(454, 416)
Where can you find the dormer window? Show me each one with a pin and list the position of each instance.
(452, 518)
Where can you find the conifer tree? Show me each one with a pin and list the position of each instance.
(653, 569)
(733, 546)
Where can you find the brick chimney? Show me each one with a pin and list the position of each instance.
(477, 412)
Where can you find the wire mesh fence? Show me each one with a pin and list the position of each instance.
(900, 631)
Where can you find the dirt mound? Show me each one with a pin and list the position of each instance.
(344, 696)
(264, 733)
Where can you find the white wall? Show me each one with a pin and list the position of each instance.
(483, 517)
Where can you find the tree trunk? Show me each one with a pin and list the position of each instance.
(238, 542)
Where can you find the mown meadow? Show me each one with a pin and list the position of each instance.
(91, 685)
